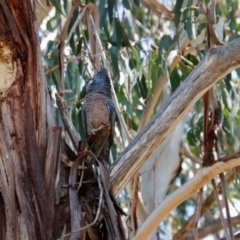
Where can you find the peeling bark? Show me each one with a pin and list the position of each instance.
(25, 123)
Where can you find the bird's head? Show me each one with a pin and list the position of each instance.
(100, 83)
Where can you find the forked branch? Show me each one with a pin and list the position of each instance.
(217, 63)
(202, 177)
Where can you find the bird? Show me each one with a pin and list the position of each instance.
(99, 115)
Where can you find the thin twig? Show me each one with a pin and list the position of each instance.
(197, 212)
(67, 62)
(185, 151)
(181, 234)
(188, 62)
(223, 185)
(212, 228)
(69, 164)
(81, 177)
(133, 210)
(76, 184)
(220, 209)
(66, 121)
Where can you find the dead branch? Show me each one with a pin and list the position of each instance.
(186, 152)
(215, 65)
(66, 121)
(224, 223)
(197, 212)
(181, 234)
(177, 197)
(155, 5)
(135, 202)
(212, 228)
(97, 213)
(75, 206)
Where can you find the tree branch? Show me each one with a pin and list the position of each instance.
(217, 63)
(212, 228)
(66, 121)
(182, 233)
(158, 7)
(202, 177)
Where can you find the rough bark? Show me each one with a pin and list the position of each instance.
(25, 123)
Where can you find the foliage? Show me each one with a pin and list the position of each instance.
(139, 44)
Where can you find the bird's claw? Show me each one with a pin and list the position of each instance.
(94, 130)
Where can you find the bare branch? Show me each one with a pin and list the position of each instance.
(217, 63)
(186, 152)
(225, 227)
(197, 212)
(181, 234)
(212, 228)
(155, 5)
(177, 197)
(96, 216)
(74, 204)
(66, 121)
(65, 63)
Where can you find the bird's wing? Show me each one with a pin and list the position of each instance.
(112, 118)
(84, 119)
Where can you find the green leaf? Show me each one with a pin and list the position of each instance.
(124, 101)
(126, 4)
(56, 4)
(186, 70)
(114, 56)
(80, 124)
(178, 13)
(165, 45)
(121, 37)
(191, 138)
(110, 10)
(175, 79)
(56, 79)
(143, 87)
(51, 24)
(137, 3)
(187, 18)
(50, 46)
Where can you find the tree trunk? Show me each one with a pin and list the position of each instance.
(26, 125)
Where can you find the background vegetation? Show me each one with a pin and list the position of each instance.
(151, 47)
